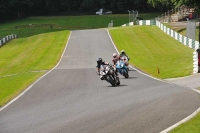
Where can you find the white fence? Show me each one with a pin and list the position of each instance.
(141, 22)
(4, 40)
(184, 40)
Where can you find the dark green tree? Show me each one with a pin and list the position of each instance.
(20, 7)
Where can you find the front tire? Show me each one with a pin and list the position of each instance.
(111, 81)
(126, 76)
(117, 80)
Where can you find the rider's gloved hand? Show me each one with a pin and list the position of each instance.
(98, 72)
(101, 77)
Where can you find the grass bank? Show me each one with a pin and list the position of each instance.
(23, 60)
(36, 25)
(154, 52)
(191, 126)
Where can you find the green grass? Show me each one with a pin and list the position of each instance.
(36, 25)
(192, 126)
(12, 85)
(23, 60)
(151, 49)
(183, 32)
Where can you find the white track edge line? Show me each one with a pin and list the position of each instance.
(178, 123)
(184, 120)
(27, 89)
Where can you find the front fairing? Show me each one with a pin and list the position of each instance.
(120, 65)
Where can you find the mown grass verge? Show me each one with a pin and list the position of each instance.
(191, 126)
(23, 60)
(154, 52)
(35, 25)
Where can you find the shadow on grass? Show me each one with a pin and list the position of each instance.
(22, 33)
(181, 30)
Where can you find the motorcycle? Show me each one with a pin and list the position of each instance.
(122, 68)
(125, 60)
(107, 73)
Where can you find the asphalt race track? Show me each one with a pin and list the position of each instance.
(72, 98)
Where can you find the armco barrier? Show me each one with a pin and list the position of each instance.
(147, 22)
(185, 40)
(142, 22)
(4, 40)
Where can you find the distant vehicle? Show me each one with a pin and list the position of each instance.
(101, 12)
(108, 12)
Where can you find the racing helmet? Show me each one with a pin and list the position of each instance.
(122, 51)
(114, 55)
(99, 60)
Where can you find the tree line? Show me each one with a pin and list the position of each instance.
(11, 9)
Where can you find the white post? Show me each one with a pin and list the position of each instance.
(129, 17)
(195, 62)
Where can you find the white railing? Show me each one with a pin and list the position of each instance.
(4, 40)
(174, 14)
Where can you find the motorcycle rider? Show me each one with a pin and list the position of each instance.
(115, 59)
(123, 53)
(101, 62)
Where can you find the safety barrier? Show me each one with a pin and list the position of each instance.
(141, 22)
(4, 40)
(184, 40)
(147, 22)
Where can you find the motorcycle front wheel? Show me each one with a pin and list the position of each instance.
(111, 81)
(117, 80)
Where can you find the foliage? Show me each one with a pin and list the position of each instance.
(175, 3)
(10, 9)
(190, 3)
(17, 7)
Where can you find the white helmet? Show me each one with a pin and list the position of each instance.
(122, 51)
(114, 55)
